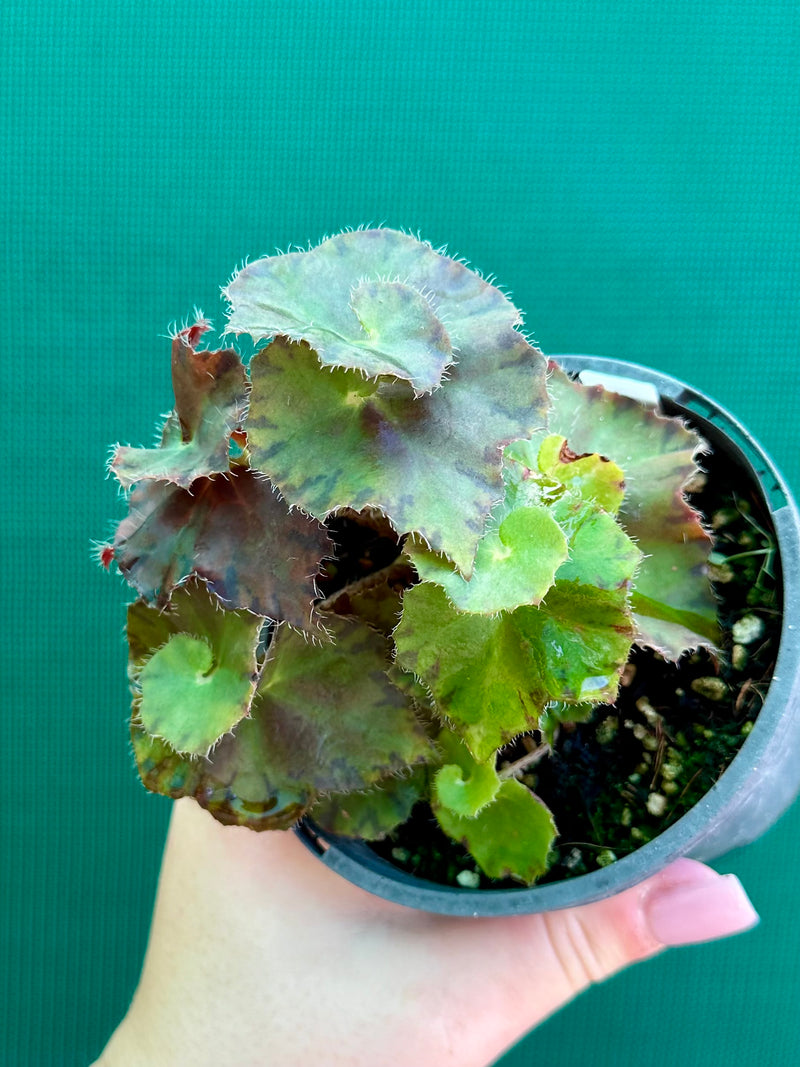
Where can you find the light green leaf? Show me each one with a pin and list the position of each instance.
(403, 333)
(462, 785)
(601, 554)
(193, 668)
(492, 677)
(590, 476)
(511, 837)
(188, 698)
(515, 564)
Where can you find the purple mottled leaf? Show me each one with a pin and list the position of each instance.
(232, 530)
(210, 399)
(332, 719)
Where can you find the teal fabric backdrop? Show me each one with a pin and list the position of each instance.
(629, 171)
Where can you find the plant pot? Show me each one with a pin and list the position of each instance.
(759, 784)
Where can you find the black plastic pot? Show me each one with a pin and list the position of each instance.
(761, 781)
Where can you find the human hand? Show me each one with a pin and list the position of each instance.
(261, 956)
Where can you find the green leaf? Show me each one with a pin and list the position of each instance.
(233, 531)
(210, 398)
(552, 510)
(403, 331)
(462, 785)
(189, 699)
(373, 301)
(658, 456)
(373, 814)
(331, 718)
(193, 668)
(329, 438)
(601, 554)
(511, 837)
(515, 564)
(430, 463)
(325, 718)
(492, 677)
(590, 476)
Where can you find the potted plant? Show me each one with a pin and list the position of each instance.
(394, 571)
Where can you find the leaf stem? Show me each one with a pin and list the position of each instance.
(530, 759)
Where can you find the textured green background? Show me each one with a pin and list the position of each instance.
(628, 170)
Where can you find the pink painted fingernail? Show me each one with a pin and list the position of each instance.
(702, 906)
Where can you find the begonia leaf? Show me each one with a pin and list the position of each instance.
(509, 838)
(544, 528)
(430, 462)
(331, 718)
(675, 607)
(232, 530)
(231, 783)
(374, 301)
(601, 554)
(492, 677)
(590, 476)
(188, 698)
(210, 399)
(462, 784)
(374, 813)
(193, 668)
(515, 564)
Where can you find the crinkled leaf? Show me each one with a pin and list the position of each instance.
(374, 813)
(192, 610)
(515, 564)
(374, 301)
(324, 718)
(553, 508)
(231, 783)
(511, 837)
(189, 698)
(331, 718)
(193, 668)
(232, 530)
(590, 476)
(430, 462)
(210, 398)
(462, 785)
(402, 331)
(676, 608)
(491, 677)
(600, 552)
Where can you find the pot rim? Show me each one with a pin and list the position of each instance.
(356, 862)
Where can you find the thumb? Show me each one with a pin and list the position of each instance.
(685, 903)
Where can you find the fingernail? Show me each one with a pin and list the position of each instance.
(701, 909)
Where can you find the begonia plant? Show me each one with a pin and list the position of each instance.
(392, 543)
